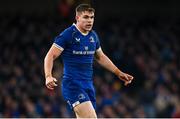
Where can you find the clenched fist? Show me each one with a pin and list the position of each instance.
(126, 78)
(51, 82)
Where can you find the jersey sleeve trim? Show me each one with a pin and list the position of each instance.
(99, 49)
(59, 47)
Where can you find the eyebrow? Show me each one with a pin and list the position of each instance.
(88, 15)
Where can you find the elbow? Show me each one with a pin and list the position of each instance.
(99, 59)
(45, 59)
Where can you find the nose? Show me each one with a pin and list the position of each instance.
(90, 20)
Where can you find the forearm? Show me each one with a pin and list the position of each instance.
(52, 54)
(48, 65)
(104, 61)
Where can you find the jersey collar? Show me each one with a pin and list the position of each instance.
(84, 34)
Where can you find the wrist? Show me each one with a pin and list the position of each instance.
(117, 72)
(48, 75)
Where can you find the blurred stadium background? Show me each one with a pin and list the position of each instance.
(142, 37)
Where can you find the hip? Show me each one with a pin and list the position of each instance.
(73, 84)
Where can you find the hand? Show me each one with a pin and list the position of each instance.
(51, 82)
(126, 78)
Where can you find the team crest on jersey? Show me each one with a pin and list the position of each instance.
(91, 39)
(86, 48)
(81, 96)
(77, 39)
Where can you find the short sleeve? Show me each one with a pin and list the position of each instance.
(97, 42)
(60, 42)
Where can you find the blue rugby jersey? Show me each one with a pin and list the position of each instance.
(78, 52)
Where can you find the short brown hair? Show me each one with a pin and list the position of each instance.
(84, 7)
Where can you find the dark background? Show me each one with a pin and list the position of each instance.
(105, 7)
(140, 36)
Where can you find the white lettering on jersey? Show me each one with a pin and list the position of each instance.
(83, 52)
(86, 47)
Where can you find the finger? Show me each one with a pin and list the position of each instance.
(126, 83)
(54, 84)
(129, 81)
(49, 87)
(123, 79)
(126, 77)
(55, 80)
(130, 77)
(48, 82)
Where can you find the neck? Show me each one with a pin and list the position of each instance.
(84, 32)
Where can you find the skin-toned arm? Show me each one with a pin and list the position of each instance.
(52, 54)
(104, 61)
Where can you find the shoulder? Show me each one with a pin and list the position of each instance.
(95, 34)
(64, 36)
(67, 32)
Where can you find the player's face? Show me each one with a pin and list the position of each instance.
(85, 20)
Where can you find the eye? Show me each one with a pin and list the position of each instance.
(85, 17)
(92, 17)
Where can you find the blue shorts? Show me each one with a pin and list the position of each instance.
(78, 91)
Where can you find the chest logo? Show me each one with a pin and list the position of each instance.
(77, 39)
(91, 39)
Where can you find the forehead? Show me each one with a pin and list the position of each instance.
(86, 13)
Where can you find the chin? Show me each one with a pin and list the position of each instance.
(89, 29)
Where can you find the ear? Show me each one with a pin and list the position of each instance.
(77, 18)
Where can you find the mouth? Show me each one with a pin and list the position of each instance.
(89, 25)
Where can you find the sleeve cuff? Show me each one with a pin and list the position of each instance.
(99, 49)
(59, 47)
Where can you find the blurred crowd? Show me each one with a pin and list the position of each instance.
(147, 48)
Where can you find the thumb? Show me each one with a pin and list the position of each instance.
(55, 80)
(126, 83)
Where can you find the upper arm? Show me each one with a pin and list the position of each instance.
(99, 53)
(54, 51)
(60, 43)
